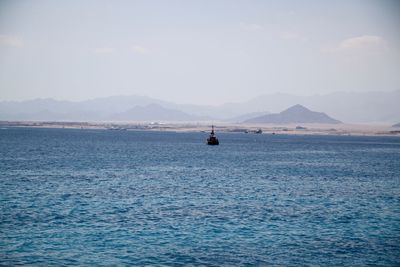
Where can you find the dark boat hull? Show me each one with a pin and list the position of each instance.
(212, 141)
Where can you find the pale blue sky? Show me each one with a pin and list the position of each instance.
(205, 52)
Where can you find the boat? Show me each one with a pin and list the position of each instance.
(259, 131)
(212, 140)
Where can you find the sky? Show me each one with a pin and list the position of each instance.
(198, 52)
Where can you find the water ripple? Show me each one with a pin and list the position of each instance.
(75, 197)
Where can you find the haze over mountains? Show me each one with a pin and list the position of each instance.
(155, 112)
(371, 107)
(295, 114)
(355, 107)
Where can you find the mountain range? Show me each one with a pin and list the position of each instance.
(294, 114)
(155, 112)
(349, 107)
(367, 107)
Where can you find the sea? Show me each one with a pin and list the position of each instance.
(155, 198)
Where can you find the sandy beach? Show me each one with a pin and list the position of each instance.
(301, 129)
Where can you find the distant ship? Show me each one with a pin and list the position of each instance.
(259, 131)
(212, 139)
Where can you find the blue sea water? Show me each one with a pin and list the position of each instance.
(101, 198)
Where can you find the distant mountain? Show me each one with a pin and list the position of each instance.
(247, 116)
(396, 125)
(46, 109)
(295, 114)
(139, 108)
(153, 112)
(350, 107)
(121, 103)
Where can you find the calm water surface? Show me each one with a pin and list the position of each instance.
(96, 197)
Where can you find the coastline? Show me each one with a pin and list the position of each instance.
(221, 127)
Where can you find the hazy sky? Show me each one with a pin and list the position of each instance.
(206, 52)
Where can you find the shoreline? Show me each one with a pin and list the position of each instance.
(287, 129)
